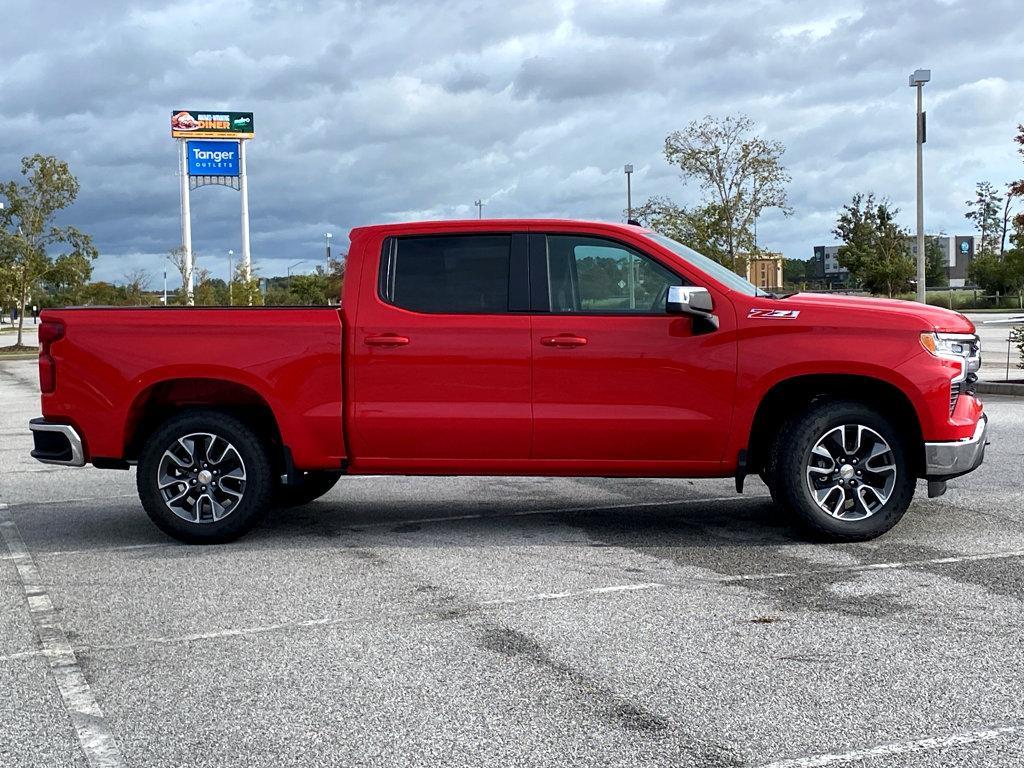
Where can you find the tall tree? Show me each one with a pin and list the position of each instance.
(703, 229)
(936, 264)
(874, 247)
(176, 256)
(28, 222)
(741, 173)
(135, 284)
(1017, 190)
(1006, 218)
(983, 211)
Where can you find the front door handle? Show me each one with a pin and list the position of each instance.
(563, 340)
(386, 340)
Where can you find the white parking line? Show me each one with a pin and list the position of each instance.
(512, 600)
(574, 593)
(873, 566)
(94, 734)
(899, 748)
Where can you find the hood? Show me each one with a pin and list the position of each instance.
(930, 318)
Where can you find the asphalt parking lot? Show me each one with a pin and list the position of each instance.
(507, 621)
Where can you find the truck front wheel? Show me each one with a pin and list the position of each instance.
(844, 471)
(204, 477)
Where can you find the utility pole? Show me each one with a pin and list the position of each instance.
(628, 168)
(165, 286)
(327, 242)
(479, 208)
(917, 80)
(231, 279)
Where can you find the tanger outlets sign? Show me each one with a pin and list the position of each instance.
(212, 158)
(188, 124)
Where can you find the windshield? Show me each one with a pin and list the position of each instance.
(719, 272)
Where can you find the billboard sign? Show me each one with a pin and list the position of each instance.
(207, 124)
(212, 158)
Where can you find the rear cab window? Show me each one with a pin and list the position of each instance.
(448, 273)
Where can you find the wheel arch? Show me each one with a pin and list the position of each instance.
(790, 395)
(161, 400)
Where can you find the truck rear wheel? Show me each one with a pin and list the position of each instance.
(312, 485)
(843, 469)
(204, 477)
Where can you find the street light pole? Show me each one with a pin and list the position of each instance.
(327, 241)
(479, 208)
(231, 279)
(628, 168)
(917, 80)
(296, 264)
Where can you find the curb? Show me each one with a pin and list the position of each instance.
(18, 356)
(1000, 388)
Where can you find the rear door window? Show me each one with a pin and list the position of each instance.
(447, 274)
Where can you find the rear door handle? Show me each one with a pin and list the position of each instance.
(563, 340)
(386, 340)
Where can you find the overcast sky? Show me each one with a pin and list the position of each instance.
(376, 112)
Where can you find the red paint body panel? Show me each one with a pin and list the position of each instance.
(109, 359)
(644, 395)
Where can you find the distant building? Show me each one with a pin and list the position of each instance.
(958, 251)
(764, 269)
(827, 268)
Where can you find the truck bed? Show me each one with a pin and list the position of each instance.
(114, 364)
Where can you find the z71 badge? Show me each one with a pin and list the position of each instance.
(774, 314)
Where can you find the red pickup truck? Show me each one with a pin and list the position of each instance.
(517, 347)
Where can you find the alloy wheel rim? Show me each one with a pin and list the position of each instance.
(201, 477)
(851, 472)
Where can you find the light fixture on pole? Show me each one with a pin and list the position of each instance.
(917, 80)
(628, 169)
(479, 208)
(231, 279)
(327, 242)
(296, 264)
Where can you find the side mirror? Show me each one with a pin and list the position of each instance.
(694, 301)
(689, 300)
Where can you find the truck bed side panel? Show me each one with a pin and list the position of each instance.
(112, 360)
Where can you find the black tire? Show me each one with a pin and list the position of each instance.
(792, 475)
(242, 501)
(312, 485)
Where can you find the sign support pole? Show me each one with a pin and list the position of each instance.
(186, 223)
(244, 189)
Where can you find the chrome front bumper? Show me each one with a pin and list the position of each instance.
(952, 458)
(56, 444)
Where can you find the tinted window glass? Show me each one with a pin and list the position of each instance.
(598, 276)
(450, 274)
(718, 271)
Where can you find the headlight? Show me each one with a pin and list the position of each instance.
(964, 349)
(949, 345)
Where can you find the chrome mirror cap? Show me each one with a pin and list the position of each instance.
(690, 300)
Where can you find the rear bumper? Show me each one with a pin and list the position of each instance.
(56, 444)
(948, 459)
